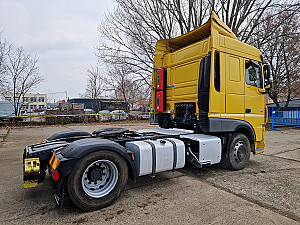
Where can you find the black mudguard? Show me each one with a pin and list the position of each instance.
(77, 149)
(68, 134)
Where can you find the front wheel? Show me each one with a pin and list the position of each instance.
(97, 180)
(238, 152)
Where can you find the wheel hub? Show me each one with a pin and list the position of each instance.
(239, 151)
(95, 174)
(99, 178)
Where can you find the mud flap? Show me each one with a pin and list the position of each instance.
(59, 192)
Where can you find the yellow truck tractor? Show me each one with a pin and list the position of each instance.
(208, 81)
(207, 96)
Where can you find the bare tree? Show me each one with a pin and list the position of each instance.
(241, 16)
(132, 30)
(95, 82)
(134, 27)
(280, 47)
(23, 75)
(95, 85)
(125, 86)
(4, 51)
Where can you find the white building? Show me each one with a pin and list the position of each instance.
(29, 101)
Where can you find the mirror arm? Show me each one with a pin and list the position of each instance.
(266, 90)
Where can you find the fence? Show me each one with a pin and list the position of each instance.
(281, 119)
(79, 118)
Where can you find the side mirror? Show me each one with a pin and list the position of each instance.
(267, 71)
(268, 86)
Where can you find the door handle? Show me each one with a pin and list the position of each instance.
(248, 111)
(170, 86)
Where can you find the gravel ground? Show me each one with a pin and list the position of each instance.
(3, 133)
(266, 192)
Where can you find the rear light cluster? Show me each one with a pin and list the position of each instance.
(54, 163)
(160, 90)
(160, 80)
(159, 101)
(55, 174)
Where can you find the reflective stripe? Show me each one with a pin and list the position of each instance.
(254, 115)
(51, 160)
(54, 162)
(233, 115)
(236, 115)
(215, 114)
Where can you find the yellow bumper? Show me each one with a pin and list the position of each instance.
(259, 147)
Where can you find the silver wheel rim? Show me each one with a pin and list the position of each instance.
(99, 178)
(240, 152)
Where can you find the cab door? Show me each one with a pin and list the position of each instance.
(235, 87)
(254, 99)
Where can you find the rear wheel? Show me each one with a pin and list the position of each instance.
(97, 180)
(238, 152)
(164, 120)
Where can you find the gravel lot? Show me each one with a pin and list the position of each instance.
(266, 192)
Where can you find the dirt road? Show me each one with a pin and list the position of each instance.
(266, 192)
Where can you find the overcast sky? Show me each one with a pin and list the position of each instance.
(63, 34)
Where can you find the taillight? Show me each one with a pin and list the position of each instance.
(54, 162)
(55, 175)
(160, 101)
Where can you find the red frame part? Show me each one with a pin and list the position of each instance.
(159, 101)
(160, 75)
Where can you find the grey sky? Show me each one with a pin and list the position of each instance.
(62, 33)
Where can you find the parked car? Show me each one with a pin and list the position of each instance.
(42, 113)
(23, 113)
(104, 115)
(118, 115)
(89, 111)
(144, 116)
(7, 109)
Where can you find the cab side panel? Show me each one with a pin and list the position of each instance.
(183, 74)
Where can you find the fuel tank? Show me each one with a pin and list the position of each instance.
(153, 156)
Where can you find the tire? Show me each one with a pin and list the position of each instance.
(97, 180)
(238, 152)
(164, 120)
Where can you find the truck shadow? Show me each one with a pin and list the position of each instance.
(189, 170)
(215, 170)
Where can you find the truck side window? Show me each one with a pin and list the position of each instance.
(217, 71)
(253, 74)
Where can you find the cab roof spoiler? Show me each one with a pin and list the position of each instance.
(213, 25)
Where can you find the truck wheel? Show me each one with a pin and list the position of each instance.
(97, 180)
(238, 153)
(164, 120)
